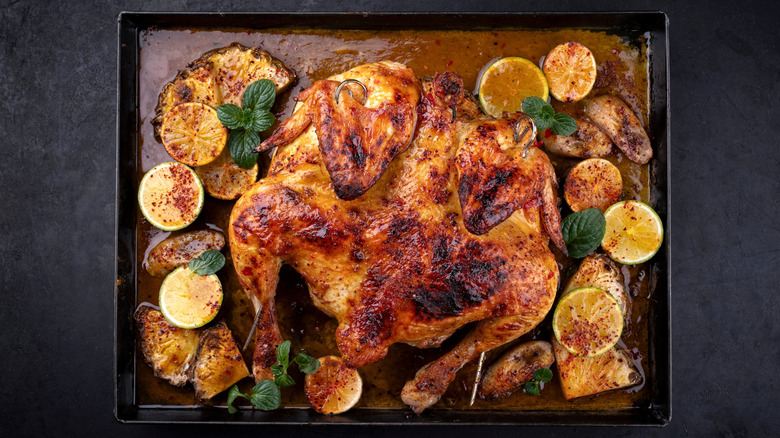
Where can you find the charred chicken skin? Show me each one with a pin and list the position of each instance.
(409, 215)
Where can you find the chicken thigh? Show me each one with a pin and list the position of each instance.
(392, 253)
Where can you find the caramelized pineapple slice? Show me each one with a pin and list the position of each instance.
(219, 363)
(190, 85)
(221, 76)
(597, 270)
(581, 376)
(169, 350)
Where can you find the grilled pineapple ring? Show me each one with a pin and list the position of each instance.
(220, 76)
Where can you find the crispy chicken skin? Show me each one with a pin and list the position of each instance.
(615, 118)
(221, 76)
(357, 142)
(397, 264)
(495, 180)
(169, 350)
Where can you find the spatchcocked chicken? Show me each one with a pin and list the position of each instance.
(409, 214)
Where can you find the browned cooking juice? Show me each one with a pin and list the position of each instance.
(314, 55)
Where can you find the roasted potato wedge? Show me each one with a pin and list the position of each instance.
(593, 183)
(581, 376)
(615, 118)
(219, 363)
(597, 270)
(588, 141)
(169, 350)
(221, 76)
(179, 250)
(516, 367)
(224, 179)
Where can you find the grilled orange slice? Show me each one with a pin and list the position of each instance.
(634, 232)
(192, 134)
(507, 82)
(334, 388)
(570, 69)
(224, 179)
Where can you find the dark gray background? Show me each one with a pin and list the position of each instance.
(57, 137)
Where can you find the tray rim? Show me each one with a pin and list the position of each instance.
(657, 415)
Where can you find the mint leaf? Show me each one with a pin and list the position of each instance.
(266, 396)
(233, 394)
(306, 363)
(261, 120)
(259, 95)
(209, 262)
(583, 232)
(241, 143)
(231, 116)
(248, 119)
(543, 375)
(531, 388)
(283, 354)
(533, 105)
(284, 381)
(277, 370)
(563, 124)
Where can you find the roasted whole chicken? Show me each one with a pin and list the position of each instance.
(409, 214)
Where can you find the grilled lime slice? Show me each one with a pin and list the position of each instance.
(189, 300)
(170, 196)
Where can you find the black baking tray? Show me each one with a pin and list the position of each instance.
(655, 25)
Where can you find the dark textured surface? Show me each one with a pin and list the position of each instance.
(57, 95)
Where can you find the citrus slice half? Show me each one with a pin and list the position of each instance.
(593, 183)
(192, 134)
(570, 69)
(170, 196)
(189, 300)
(224, 179)
(634, 232)
(507, 82)
(334, 388)
(587, 321)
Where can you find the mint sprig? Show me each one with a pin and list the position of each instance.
(583, 232)
(533, 386)
(266, 395)
(545, 117)
(247, 121)
(209, 262)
